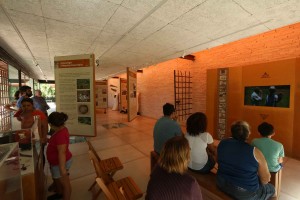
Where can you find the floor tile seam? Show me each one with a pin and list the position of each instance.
(138, 149)
(93, 173)
(129, 143)
(137, 132)
(112, 147)
(131, 146)
(97, 150)
(135, 159)
(286, 193)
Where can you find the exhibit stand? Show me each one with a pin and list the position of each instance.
(101, 95)
(131, 94)
(21, 168)
(75, 93)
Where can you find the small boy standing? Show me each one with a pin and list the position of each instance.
(271, 149)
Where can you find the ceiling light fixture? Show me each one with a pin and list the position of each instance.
(183, 54)
(188, 57)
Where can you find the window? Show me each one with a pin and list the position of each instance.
(5, 120)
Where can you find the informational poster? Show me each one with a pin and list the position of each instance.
(123, 94)
(74, 86)
(101, 94)
(222, 102)
(131, 94)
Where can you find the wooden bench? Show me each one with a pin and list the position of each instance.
(109, 166)
(210, 191)
(208, 184)
(126, 186)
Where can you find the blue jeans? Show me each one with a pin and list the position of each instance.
(264, 192)
(55, 172)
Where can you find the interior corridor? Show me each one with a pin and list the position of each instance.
(132, 143)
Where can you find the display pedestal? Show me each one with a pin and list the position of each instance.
(33, 177)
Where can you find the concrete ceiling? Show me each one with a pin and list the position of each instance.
(130, 33)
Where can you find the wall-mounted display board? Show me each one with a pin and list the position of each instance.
(242, 82)
(222, 102)
(131, 94)
(101, 93)
(74, 86)
(123, 94)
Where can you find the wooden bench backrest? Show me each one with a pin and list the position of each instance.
(91, 148)
(100, 174)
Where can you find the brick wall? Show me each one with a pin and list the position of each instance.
(156, 85)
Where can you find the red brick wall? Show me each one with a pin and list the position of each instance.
(156, 85)
(156, 82)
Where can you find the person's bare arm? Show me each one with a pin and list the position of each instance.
(212, 149)
(263, 171)
(280, 160)
(62, 158)
(10, 107)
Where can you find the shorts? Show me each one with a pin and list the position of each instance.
(55, 169)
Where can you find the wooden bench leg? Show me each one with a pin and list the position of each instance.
(276, 181)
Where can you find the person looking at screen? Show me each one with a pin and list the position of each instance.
(169, 179)
(243, 171)
(166, 127)
(201, 143)
(272, 150)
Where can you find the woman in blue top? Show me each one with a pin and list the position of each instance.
(243, 171)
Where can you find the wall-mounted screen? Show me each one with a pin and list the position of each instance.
(272, 96)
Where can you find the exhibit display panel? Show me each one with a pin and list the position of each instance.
(101, 95)
(123, 94)
(75, 93)
(258, 80)
(131, 94)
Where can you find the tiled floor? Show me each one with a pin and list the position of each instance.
(132, 144)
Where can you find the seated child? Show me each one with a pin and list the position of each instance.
(272, 150)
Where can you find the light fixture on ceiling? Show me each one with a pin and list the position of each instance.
(187, 57)
(183, 54)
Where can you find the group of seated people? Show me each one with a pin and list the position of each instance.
(242, 168)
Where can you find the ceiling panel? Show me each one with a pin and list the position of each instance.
(131, 33)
